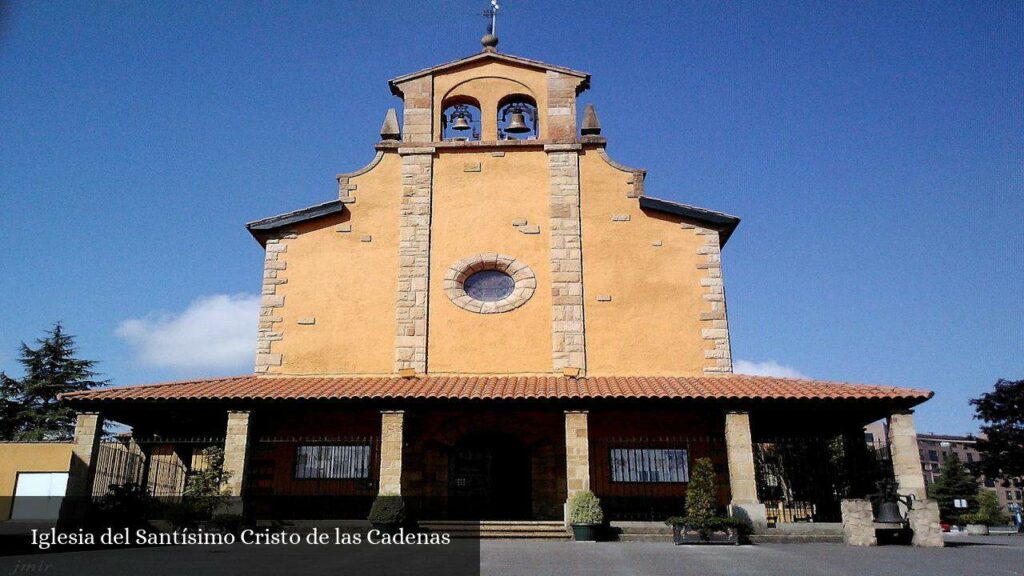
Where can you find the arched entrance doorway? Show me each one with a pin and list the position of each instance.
(489, 478)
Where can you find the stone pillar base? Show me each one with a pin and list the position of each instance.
(858, 523)
(924, 521)
(753, 512)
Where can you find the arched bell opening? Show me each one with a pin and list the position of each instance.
(460, 119)
(517, 118)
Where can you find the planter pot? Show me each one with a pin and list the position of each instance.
(585, 532)
(682, 534)
(977, 529)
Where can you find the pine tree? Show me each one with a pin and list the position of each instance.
(954, 482)
(30, 407)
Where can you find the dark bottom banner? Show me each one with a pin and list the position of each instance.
(89, 540)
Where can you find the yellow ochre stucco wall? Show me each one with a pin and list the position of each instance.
(346, 282)
(651, 325)
(28, 457)
(336, 279)
(472, 214)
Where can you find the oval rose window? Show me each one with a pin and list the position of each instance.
(489, 285)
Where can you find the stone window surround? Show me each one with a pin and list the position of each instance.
(525, 279)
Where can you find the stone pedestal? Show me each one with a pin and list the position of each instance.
(858, 523)
(924, 521)
(754, 513)
(82, 470)
(391, 428)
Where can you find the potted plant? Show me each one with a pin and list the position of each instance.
(988, 514)
(702, 525)
(387, 513)
(585, 515)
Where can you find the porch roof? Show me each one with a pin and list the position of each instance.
(723, 387)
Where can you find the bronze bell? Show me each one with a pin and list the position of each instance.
(889, 513)
(517, 125)
(461, 117)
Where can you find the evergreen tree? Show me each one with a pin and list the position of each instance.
(29, 405)
(1002, 446)
(954, 482)
(701, 503)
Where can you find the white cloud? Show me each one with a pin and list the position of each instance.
(767, 368)
(214, 333)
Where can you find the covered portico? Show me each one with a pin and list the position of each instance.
(483, 447)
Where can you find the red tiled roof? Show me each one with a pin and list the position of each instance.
(725, 387)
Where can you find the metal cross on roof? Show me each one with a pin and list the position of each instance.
(492, 13)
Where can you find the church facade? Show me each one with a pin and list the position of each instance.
(489, 317)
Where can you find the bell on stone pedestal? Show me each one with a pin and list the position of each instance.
(889, 513)
(517, 125)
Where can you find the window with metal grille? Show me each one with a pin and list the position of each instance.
(649, 465)
(332, 461)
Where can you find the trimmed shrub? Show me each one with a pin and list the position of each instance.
(585, 508)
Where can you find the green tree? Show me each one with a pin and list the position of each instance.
(954, 482)
(989, 512)
(1002, 444)
(206, 489)
(29, 406)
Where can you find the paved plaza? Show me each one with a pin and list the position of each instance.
(963, 556)
(975, 556)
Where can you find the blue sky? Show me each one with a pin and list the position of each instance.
(875, 152)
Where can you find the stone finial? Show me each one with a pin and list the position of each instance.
(490, 42)
(389, 130)
(591, 126)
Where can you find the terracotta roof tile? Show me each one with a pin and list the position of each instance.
(728, 386)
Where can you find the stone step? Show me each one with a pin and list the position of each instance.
(656, 528)
(799, 528)
(544, 523)
(796, 538)
(510, 535)
(633, 537)
(517, 529)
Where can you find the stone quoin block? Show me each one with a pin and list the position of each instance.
(568, 342)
